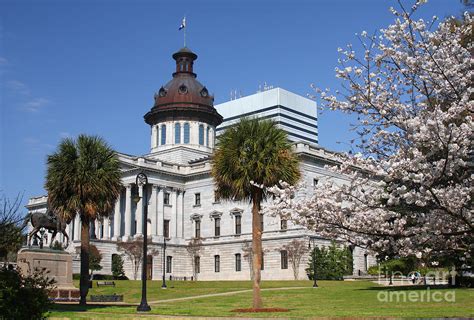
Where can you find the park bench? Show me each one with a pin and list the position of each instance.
(107, 298)
(106, 283)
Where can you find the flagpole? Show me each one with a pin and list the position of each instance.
(184, 36)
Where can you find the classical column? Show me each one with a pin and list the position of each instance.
(77, 228)
(128, 213)
(70, 230)
(153, 212)
(106, 234)
(160, 211)
(117, 219)
(179, 213)
(139, 213)
(182, 214)
(92, 230)
(97, 229)
(153, 137)
(174, 213)
(211, 137)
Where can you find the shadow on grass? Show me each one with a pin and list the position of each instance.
(407, 288)
(90, 307)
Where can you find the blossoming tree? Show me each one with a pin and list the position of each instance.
(410, 186)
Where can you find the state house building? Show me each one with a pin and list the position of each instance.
(183, 127)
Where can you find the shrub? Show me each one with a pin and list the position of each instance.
(374, 270)
(401, 265)
(467, 282)
(99, 276)
(24, 297)
(117, 266)
(332, 263)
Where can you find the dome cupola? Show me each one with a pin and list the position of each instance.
(183, 97)
(183, 112)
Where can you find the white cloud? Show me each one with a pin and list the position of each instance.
(18, 87)
(35, 104)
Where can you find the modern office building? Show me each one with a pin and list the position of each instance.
(295, 114)
(181, 204)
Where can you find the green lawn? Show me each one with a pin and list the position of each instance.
(178, 289)
(331, 299)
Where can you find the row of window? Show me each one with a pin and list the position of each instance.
(238, 226)
(217, 226)
(217, 262)
(238, 262)
(186, 131)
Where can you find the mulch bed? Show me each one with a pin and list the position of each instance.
(261, 310)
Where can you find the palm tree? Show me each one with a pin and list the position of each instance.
(83, 178)
(251, 154)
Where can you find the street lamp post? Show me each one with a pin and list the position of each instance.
(142, 181)
(163, 285)
(315, 284)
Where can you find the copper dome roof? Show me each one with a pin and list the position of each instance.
(183, 98)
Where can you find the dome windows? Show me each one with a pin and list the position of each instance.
(201, 134)
(162, 92)
(186, 132)
(163, 134)
(177, 132)
(183, 89)
(204, 92)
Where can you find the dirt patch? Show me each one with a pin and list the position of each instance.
(261, 310)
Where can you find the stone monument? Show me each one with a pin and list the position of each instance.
(58, 265)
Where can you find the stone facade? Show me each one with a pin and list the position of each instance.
(181, 203)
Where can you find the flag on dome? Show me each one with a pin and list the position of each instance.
(183, 24)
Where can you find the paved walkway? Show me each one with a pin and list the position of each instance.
(222, 294)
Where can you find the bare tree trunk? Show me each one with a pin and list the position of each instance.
(296, 267)
(256, 250)
(84, 282)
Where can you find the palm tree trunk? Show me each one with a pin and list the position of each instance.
(256, 250)
(84, 282)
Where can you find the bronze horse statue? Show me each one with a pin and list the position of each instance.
(50, 222)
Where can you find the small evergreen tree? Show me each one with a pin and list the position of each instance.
(95, 257)
(332, 262)
(117, 267)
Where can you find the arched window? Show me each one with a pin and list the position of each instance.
(201, 134)
(186, 132)
(157, 137)
(207, 136)
(163, 134)
(177, 132)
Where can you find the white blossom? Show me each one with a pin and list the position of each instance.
(411, 90)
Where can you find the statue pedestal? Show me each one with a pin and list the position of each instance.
(59, 266)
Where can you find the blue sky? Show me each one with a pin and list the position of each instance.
(70, 67)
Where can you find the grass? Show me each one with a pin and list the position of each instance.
(331, 299)
(178, 289)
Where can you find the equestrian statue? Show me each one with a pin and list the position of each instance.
(50, 222)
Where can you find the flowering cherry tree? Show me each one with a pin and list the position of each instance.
(408, 190)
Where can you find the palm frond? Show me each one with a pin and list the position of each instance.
(252, 150)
